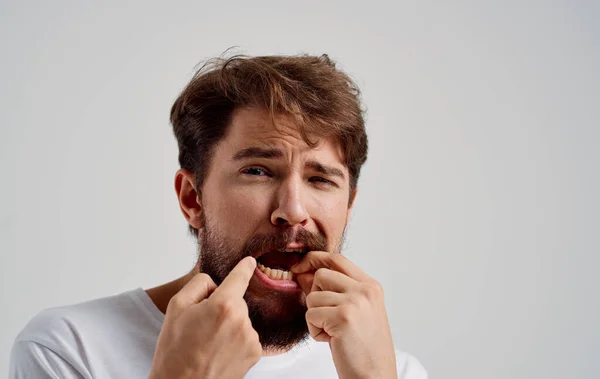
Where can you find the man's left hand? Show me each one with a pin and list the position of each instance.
(346, 308)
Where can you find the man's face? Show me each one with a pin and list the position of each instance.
(269, 195)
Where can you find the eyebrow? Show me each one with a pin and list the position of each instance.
(326, 170)
(257, 152)
(272, 153)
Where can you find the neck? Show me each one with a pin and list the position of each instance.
(162, 294)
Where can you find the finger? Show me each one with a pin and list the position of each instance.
(197, 289)
(236, 283)
(329, 280)
(324, 299)
(318, 320)
(322, 337)
(305, 281)
(315, 260)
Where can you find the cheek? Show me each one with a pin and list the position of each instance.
(331, 214)
(239, 211)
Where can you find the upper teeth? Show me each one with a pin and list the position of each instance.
(294, 251)
(275, 274)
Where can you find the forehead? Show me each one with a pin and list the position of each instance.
(254, 127)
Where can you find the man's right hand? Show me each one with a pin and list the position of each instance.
(207, 332)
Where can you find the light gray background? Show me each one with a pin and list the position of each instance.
(478, 207)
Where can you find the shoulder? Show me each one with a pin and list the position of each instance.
(58, 342)
(59, 325)
(30, 360)
(48, 346)
(75, 328)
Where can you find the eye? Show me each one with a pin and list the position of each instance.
(255, 171)
(322, 181)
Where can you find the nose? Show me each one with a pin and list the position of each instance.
(290, 209)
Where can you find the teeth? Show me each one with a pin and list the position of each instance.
(275, 274)
(294, 251)
(278, 274)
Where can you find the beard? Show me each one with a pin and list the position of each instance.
(278, 317)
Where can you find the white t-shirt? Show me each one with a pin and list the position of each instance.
(115, 337)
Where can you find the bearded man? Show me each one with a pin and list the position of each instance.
(270, 150)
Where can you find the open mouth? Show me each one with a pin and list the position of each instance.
(276, 264)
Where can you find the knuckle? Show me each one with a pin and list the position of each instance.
(252, 341)
(336, 258)
(346, 315)
(175, 303)
(255, 348)
(224, 307)
(372, 291)
(320, 274)
(204, 277)
(252, 337)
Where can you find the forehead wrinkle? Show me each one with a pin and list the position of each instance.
(260, 130)
(291, 148)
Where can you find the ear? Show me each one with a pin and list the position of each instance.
(189, 201)
(351, 204)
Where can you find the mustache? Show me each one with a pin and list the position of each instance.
(279, 240)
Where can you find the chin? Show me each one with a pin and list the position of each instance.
(279, 318)
(276, 305)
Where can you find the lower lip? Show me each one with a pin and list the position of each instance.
(281, 285)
